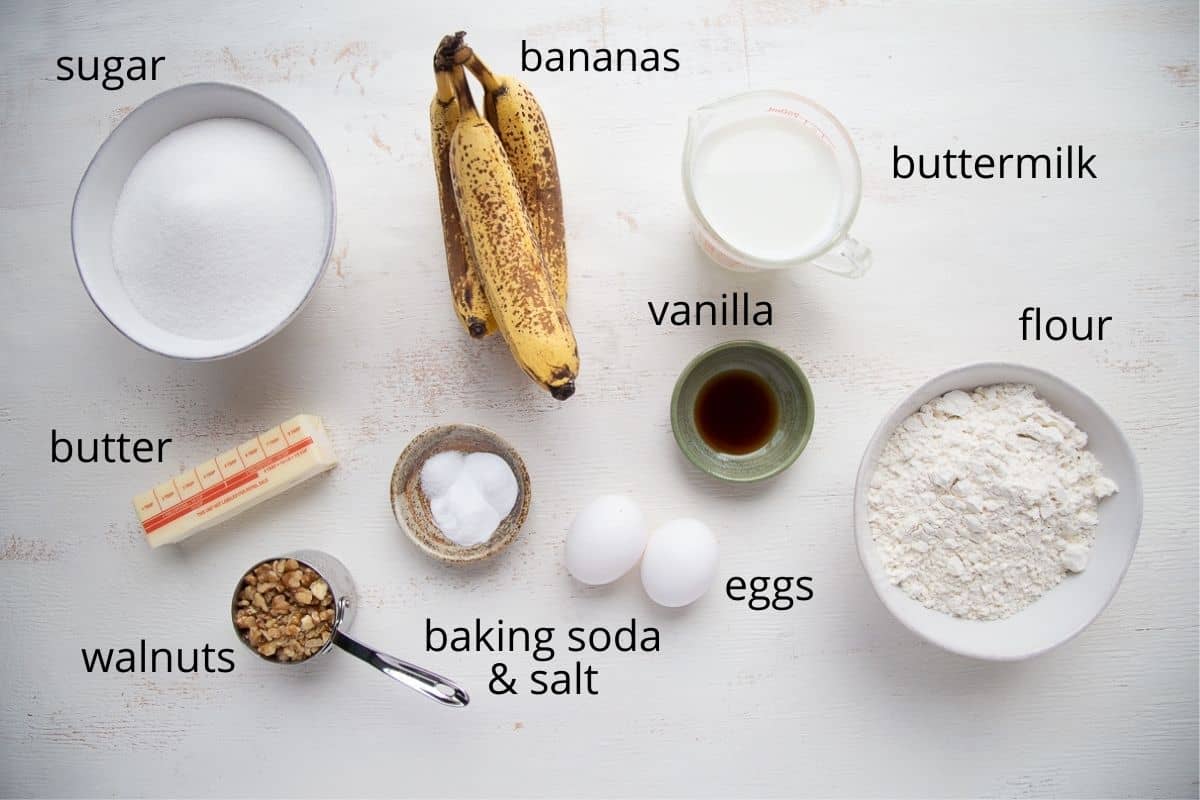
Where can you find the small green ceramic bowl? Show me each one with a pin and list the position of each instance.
(792, 392)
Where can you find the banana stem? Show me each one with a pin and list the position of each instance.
(439, 55)
(490, 82)
(445, 87)
(462, 91)
(446, 52)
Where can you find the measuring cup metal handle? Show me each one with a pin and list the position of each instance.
(430, 684)
(850, 259)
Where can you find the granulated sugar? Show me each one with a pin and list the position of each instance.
(219, 230)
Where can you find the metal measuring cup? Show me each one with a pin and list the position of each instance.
(345, 602)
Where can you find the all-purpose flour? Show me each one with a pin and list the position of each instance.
(983, 501)
(219, 230)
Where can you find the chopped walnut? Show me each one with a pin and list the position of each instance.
(284, 610)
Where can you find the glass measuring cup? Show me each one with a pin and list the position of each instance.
(833, 250)
(345, 601)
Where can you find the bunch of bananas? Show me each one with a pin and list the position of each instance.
(502, 216)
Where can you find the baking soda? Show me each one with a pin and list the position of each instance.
(220, 230)
(469, 494)
(769, 187)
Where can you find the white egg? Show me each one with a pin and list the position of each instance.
(606, 539)
(680, 562)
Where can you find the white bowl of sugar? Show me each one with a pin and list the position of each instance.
(204, 221)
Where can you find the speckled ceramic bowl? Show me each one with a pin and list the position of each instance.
(791, 390)
(411, 507)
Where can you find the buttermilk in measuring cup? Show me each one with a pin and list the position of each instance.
(773, 181)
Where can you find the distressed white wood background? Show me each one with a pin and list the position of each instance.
(831, 699)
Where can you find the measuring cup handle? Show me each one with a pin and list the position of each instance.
(850, 259)
(430, 684)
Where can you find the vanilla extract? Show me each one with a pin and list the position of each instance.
(732, 309)
(736, 412)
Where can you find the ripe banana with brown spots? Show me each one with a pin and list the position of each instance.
(506, 251)
(466, 288)
(518, 119)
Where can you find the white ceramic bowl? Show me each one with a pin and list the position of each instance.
(100, 188)
(1066, 609)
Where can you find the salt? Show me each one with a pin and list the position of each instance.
(219, 230)
(469, 494)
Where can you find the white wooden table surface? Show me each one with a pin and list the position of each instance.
(833, 698)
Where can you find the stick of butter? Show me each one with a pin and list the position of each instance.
(215, 490)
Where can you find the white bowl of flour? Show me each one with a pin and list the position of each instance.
(204, 221)
(985, 512)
